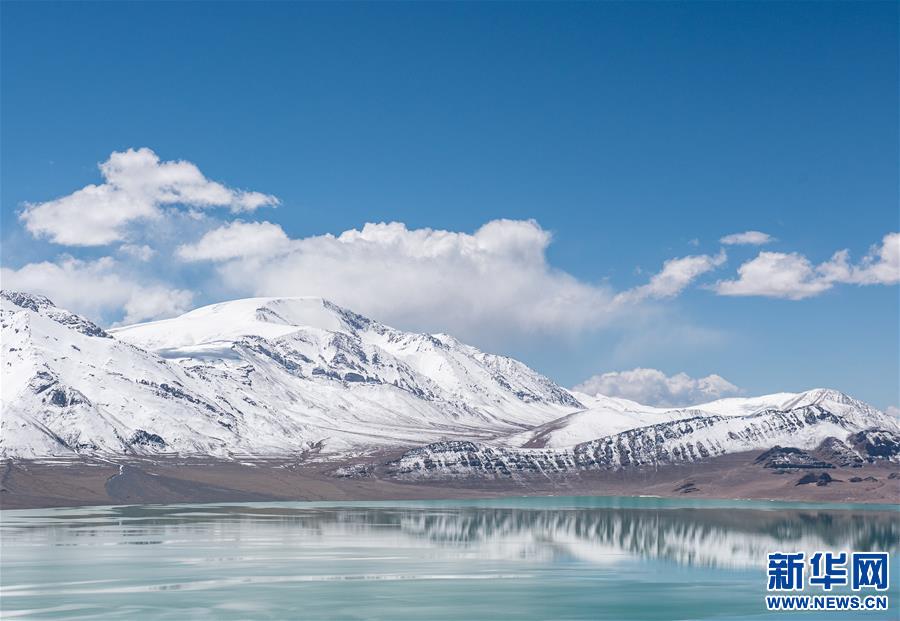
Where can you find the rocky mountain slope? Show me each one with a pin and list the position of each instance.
(679, 441)
(258, 377)
(288, 376)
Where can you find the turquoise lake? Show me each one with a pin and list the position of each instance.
(515, 558)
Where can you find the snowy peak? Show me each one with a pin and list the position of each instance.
(13, 301)
(68, 387)
(268, 318)
(323, 338)
(605, 416)
(826, 397)
(30, 301)
(263, 376)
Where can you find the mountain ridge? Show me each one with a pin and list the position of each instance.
(280, 376)
(295, 388)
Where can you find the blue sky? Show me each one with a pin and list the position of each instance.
(633, 133)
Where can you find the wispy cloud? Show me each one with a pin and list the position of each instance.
(675, 276)
(749, 238)
(141, 252)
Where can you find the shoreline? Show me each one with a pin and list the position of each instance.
(714, 503)
(79, 482)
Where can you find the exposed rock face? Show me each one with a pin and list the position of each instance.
(785, 458)
(142, 438)
(821, 480)
(43, 306)
(840, 454)
(877, 444)
(687, 488)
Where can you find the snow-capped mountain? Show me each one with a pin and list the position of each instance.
(605, 416)
(257, 376)
(282, 376)
(679, 441)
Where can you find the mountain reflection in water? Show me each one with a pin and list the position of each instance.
(530, 559)
(705, 537)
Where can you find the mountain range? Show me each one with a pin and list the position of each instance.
(303, 376)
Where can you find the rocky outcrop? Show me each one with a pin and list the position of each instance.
(820, 480)
(786, 458)
(840, 453)
(43, 306)
(877, 444)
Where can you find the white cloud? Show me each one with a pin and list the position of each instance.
(136, 185)
(894, 411)
(881, 266)
(653, 387)
(140, 252)
(495, 280)
(97, 289)
(750, 238)
(777, 275)
(675, 276)
(793, 277)
(155, 302)
(236, 240)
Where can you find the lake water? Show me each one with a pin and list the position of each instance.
(517, 558)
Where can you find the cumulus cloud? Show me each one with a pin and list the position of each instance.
(653, 387)
(98, 289)
(136, 186)
(495, 279)
(893, 410)
(881, 266)
(748, 238)
(777, 275)
(675, 276)
(237, 239)
(792, 276)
